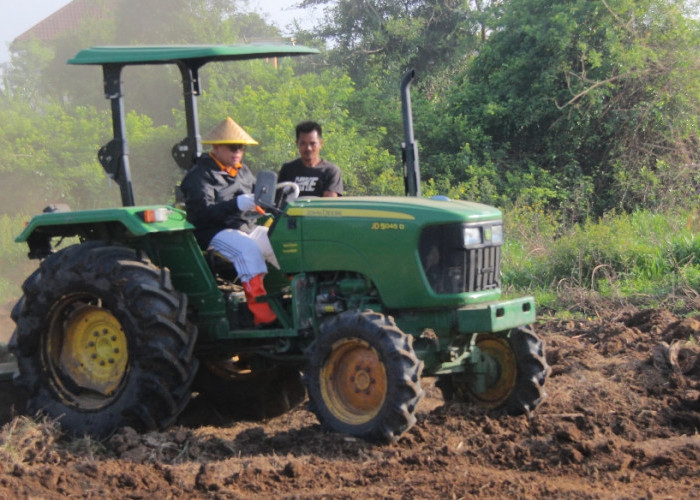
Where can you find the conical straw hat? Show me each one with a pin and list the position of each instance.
(228, 132)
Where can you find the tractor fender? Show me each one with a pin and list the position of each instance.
(113, 224)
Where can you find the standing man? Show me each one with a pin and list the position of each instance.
(314, 175)
(218, 196)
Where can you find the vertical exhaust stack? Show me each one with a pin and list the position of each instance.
(409, 148)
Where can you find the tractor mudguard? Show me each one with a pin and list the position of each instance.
(134, 220)
(112, 224)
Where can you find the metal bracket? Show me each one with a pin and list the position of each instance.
(109, 156)
(185, 153)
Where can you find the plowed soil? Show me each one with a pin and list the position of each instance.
(621, 420)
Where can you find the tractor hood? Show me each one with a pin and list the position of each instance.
(394, 208)
(390, 241)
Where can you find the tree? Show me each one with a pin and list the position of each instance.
(589, 93)
(377, 41)
(49, 156)
(133, 22)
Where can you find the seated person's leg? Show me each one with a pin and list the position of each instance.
(240, 249)
(245, 254)
(259, 234)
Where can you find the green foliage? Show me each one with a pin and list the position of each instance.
(23, 78)
(376, 42)
(154, 172)
(582, 106)
(603, 97)
(40, 71)
(48, 155)
(643, 256)
(393, 36)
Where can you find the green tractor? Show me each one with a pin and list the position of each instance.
(372, 294)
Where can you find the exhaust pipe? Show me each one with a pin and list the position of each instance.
(409, 148)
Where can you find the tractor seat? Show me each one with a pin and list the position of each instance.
(222, 268)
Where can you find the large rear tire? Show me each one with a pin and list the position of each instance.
(102, 341)
(521, 373)
(363, 377)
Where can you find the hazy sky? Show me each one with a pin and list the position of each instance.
(17, 16)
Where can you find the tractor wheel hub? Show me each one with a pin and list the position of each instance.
(94, 352)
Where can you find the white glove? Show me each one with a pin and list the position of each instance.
(245, 202)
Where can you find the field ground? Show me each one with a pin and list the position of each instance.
(621, 420)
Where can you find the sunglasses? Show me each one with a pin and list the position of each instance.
(235, 147)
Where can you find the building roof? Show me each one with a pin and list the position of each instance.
(66, 19)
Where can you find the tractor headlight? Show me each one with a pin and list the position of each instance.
(497, 235)
(472, 236)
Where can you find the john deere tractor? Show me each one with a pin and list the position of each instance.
(372, 294)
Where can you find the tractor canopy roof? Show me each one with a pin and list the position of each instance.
(189, 59)
(192, 55)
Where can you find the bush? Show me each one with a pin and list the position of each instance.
(641, 257)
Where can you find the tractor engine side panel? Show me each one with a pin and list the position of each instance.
(385, 241)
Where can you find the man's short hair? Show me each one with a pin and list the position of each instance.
(308, 127)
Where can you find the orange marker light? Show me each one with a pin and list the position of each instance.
(155, 215)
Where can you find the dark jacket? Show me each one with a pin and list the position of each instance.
(210, 199)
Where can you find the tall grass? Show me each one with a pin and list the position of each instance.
(642, 258)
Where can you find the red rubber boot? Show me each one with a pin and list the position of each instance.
(262, 313)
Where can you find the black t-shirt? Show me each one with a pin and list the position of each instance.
(312, 181)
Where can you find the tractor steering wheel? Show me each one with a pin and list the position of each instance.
(289, 192)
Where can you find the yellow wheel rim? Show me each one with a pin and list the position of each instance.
(353, 382)
(502, 385)
(94, 351)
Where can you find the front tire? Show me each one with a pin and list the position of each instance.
(522, 370)
(102, 341)
(363, 377)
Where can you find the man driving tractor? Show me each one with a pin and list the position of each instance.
(218, 193)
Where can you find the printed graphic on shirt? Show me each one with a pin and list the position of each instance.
(306, 183)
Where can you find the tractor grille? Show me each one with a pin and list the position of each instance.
(452, 268)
